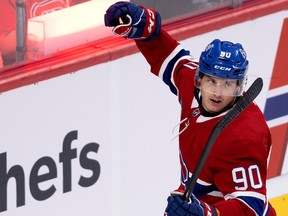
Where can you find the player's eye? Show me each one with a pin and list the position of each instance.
(229, 84)
(212, 81)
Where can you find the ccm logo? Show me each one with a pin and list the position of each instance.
(222, 68)
(151, 21)
(49, 164)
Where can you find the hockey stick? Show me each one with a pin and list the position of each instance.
(242, 103)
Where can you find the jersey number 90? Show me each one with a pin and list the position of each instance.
(243, 177)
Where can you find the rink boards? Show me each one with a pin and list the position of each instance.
(97, 141)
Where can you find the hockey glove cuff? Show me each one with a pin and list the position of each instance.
(132, 21)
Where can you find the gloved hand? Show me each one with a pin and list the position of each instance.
(133, 21)
(179, 207)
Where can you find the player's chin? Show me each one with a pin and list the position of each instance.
(214, 108)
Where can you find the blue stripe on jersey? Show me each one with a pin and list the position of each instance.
(169, 69)
(276, 107)
(202, 190)
(256, 204)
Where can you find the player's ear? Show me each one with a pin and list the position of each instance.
(197, 78)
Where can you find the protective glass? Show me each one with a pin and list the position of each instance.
(219, 86)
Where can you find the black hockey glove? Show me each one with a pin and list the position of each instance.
(133, 21)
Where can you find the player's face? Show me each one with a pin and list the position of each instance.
(217, 94)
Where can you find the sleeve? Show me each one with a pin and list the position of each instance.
(171, 63)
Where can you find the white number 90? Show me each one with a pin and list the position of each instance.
(240, 177)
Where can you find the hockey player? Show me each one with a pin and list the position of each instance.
(233, 179)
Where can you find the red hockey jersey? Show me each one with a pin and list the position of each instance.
(233, 178)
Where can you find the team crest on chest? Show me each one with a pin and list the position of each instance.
(195, 112)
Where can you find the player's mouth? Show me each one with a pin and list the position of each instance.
(215, 100)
